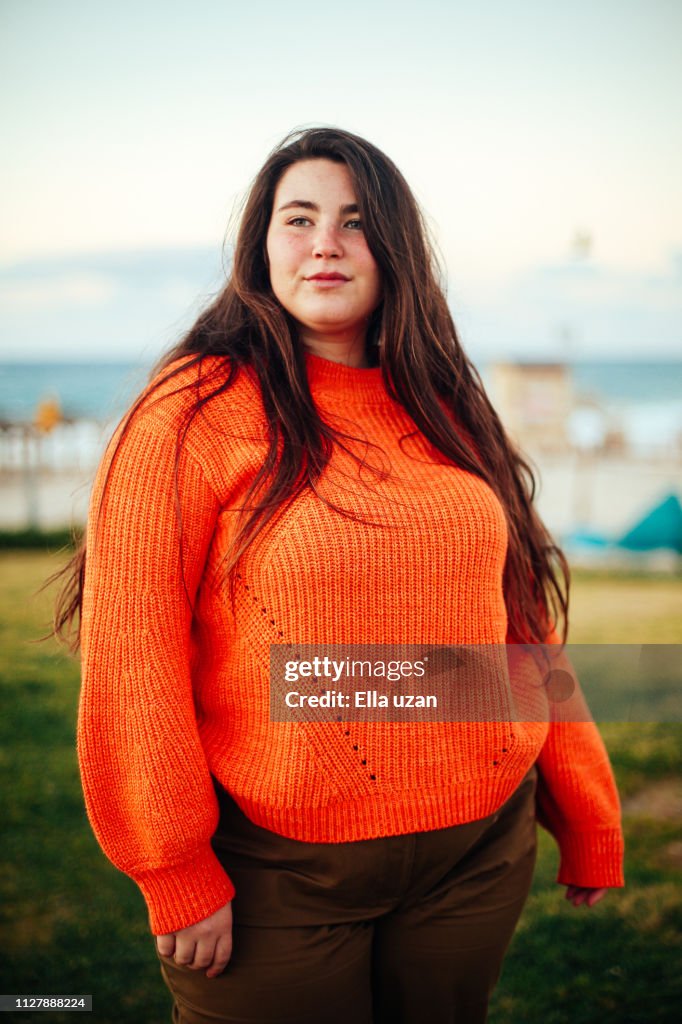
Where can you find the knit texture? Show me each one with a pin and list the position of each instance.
(175, 681)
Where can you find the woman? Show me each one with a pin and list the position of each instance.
(316, 463)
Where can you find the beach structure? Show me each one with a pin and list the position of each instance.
(654, 541)
(534, 401)
(661, 527)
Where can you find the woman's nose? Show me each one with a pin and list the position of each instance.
(327, 242)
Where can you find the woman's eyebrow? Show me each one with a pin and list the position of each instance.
(307, 205)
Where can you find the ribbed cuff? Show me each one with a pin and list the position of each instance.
(186, 893)
(593, 859)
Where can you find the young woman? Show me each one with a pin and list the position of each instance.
(316, 463)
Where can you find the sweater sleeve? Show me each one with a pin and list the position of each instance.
(577, 800)
(148, 790)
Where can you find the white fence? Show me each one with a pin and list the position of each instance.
(45, 481)
(45, 478)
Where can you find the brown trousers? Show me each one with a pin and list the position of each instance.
(396, 930)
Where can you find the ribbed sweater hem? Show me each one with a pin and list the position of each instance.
(592, 858)
(372, 816)
(183, 894)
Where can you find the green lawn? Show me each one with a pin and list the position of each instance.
(72, 924)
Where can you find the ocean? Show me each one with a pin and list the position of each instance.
(645, 396)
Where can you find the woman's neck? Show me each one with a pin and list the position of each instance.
(348, 352)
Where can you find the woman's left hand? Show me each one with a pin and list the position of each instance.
(578, 894)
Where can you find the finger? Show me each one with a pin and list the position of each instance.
(595, 896)
(203, 954)
(165, 944)
(223, 952)
(184, 950)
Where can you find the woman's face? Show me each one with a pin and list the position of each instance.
(321, 269)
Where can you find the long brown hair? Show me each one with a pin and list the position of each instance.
(411, 336)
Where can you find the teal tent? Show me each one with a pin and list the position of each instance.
(659, 528)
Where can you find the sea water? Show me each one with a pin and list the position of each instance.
(645, 397)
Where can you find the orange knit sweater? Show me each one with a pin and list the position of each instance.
(171, 696)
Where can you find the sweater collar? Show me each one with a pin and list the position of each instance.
(349, 384)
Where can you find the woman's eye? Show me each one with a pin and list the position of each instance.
(356, 225)
(297, 221)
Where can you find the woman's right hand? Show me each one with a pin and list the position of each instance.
(207, 943)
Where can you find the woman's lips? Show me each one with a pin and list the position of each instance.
(328, 280)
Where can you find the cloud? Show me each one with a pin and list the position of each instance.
(578, 310)
(56, 292)
(120, 304)
(129, 268)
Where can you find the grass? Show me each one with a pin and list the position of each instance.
(626, 609)
(72, 924)
(38, 540)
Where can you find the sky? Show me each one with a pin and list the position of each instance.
(542, 141)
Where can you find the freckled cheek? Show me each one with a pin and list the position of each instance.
(287, 259)
(367, 265)
(283, 268)
(376, 284)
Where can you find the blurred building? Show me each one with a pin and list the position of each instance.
(535, 402)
